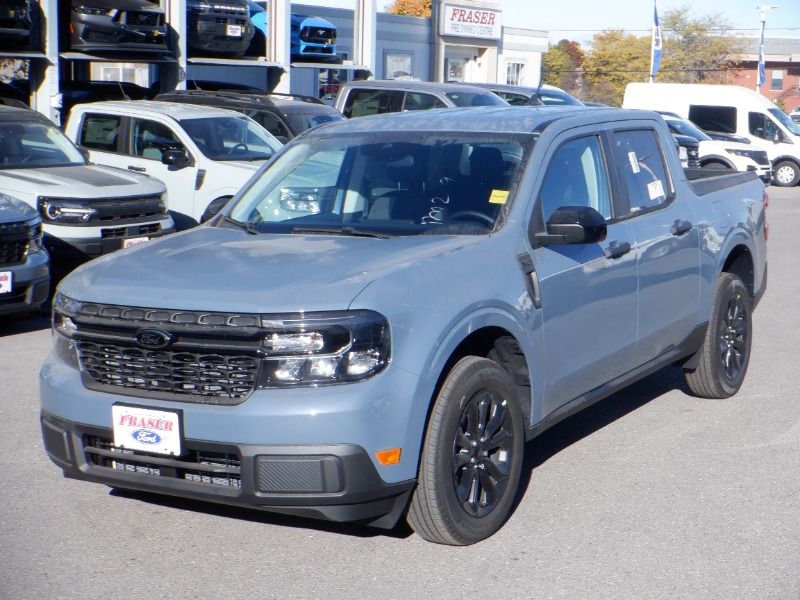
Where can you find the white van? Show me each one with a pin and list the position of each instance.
(203, 154)
(728, 109)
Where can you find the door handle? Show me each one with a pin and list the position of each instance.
(137, 169)
(680, 227)
(616, 249)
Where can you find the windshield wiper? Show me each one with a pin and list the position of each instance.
(249, 227)
(343, 230)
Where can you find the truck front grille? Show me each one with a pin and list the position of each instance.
(219, 469)
(200, 375)
(14, 240)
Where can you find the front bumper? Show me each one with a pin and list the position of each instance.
(31, 285)
(210, 32)
(72, 250)
(335, 482)
(100, 33)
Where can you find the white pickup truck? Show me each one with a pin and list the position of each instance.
(203, 154)
(86, 210)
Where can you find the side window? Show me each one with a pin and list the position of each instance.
(714, 118)
(372, 102)
(149, 139)
(515, 99)
(417, 101)
(576, 176)
(761, 126)
(644, 176)
(271, 123)
(100, 132)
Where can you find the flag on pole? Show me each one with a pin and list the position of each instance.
(655, 46)
(762, 75)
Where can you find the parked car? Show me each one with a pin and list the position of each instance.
(87, 210)
(16, 24)
(24, 262)
(518, 95)
(728, 109)
(218, 27)
(116, 26)
(378, 322)
(715, 154)
(312, 38)
(203, 154)
(283, 115)
(688, 150)
(795, 115)
(370, 97)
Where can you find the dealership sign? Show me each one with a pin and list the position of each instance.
(473, 22)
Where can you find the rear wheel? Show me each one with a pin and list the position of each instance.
(786, 174)
(471, 457)
(725, 353)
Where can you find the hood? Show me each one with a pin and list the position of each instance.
(80, 181)
(13, 210)
(216, 269)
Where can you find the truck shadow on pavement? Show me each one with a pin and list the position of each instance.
(537, 452)
(13, 325)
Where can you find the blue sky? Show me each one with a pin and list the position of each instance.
(580, 19)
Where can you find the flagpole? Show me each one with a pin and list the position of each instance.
(761, 76)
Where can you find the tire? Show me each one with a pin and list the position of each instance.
(785, 174)
(715, 166)
(725, 353)
(214, 207)
(467, 483)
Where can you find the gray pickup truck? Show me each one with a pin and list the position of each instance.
(377, 323)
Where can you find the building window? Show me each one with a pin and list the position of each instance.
(514, 73)
(397, 65)
(777, 80)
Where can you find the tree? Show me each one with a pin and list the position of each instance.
(697, 50)
(616, 59)
(561, 66)
(411, 8)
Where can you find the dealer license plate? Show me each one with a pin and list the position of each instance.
(131, 242)
(6, 282)
(147, 429)
(234, 31)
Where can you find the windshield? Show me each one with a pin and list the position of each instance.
(476, 99)
(386, 184)
(686, 128)
(33, 145)
(784, 120)
(307, 120)
(231, 138)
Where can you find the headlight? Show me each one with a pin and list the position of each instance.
(64, 211)
(35, 243)
(64, 328)
(95, 11)
(324, 348)
(304, 200)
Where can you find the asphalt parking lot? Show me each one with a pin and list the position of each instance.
(649, 494)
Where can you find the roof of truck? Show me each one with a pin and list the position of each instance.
(153, 107)
(507, 119)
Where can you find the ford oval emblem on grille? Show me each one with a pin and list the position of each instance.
(153, 339)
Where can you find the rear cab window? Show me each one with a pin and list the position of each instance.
(642, 170)
(362, 102)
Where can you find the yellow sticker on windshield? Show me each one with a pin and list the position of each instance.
(498, 197)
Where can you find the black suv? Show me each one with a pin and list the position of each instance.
(283, 115)
(218, 27)
(16, 24)
(117, 26)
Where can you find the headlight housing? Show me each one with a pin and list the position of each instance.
(64, 328)
(95, 11)
(324, 348)
(35, 242)
(65, 211)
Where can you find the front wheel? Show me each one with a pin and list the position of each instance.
(786, 174)
(471, 457)
(214, 207)
(725, 353)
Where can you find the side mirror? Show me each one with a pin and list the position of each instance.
(175, 158)
(574, 225)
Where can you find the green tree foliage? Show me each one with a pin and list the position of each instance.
(411, 8)
(561, 66)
